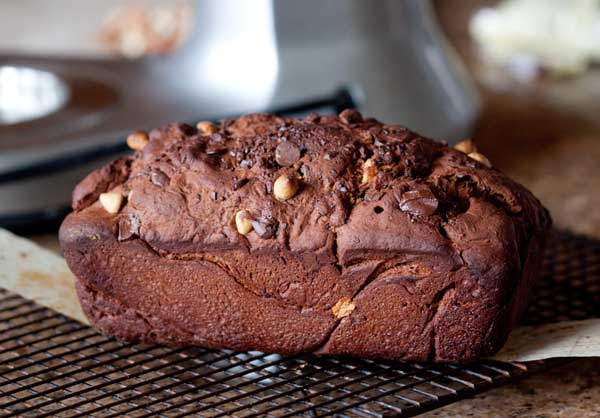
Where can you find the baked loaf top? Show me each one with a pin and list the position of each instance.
(184, 188)
(353, 200)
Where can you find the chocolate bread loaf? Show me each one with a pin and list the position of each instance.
(328, 234)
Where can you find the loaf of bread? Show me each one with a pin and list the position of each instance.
(328, 234)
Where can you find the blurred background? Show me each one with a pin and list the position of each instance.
(519, 76)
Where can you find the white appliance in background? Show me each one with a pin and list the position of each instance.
(242, 56)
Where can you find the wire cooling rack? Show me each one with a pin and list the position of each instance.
(53, 366)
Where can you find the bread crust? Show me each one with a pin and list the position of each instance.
(432, 252)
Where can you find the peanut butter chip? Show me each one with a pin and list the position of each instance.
(265, 226)
(243, 222)
(285, 187)
(207, 128)
(159, 178)
(481, 158)
(420, 202)
(467, 146)
(343, 308)
(111, 201)
(369, 171)
(137, 140)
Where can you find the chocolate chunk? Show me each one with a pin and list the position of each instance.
(394, 129)
(215, 150)
(312, 118)
(265, 226)
(217, 138)
(304, 171)
(266, 162)
(419, 202)
(159, 178)
(286, 154)
(349, 116)
(211, 159)
(363, 152)
(383, 179)
(246, 163)
(238, 184)
(387, 158)
(129, 226)
(240, 156)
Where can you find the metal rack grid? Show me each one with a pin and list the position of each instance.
(53, 366)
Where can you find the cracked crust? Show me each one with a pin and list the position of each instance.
(435, 251)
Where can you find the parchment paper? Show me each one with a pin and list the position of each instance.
(38, 274)
(41, 275)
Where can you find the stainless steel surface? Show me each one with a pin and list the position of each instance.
(391, 50)
(243, 57)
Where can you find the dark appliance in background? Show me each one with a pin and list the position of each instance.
(62, 117)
